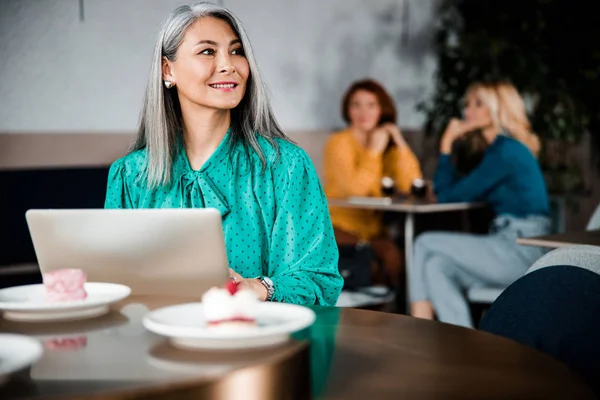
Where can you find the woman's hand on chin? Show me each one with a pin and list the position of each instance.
(457, 128)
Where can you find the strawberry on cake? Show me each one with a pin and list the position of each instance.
(230, 308)
(65, 285)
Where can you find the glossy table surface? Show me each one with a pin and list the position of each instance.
(347, 353)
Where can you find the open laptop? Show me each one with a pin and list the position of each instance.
(153, 251)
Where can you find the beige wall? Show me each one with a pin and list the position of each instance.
(52, 150)
(84, 149)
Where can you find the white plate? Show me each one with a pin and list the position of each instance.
(17, 352)
(27, 303)
(185, 326)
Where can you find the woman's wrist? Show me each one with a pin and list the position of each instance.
(446, 146)
(374, 150)
(400, 142)
(260, 289)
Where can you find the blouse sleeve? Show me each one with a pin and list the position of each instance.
(303, 257)
(117, 192)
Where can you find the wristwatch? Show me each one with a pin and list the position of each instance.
(268, 284)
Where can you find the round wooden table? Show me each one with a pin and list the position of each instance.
(348, 353)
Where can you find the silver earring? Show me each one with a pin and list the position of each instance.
(168, 84)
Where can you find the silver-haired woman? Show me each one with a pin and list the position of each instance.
(208, 138)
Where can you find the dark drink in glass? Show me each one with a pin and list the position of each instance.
(419, 188)
(388, 188)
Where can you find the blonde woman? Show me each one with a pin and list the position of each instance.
(208, 138)
(512, 116)
(509, 179)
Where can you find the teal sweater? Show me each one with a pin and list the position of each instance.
(508, 178)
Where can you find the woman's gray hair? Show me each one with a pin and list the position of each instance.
(160, 121)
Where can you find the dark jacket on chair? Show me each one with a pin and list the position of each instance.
(557, 311)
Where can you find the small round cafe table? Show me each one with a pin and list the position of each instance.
(346, 354)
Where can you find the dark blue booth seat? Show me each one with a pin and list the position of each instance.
(24, 189)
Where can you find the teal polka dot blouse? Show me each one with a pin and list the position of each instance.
(275, 221)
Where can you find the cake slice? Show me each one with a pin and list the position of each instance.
(230, 308)
(63, 285)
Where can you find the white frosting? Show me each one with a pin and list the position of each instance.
(220, 305)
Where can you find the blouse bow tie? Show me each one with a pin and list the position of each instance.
(198, 191)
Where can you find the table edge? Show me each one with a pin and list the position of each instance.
(412, 208)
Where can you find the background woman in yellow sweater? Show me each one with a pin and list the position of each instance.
(355, 162)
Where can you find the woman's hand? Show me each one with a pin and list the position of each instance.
(252, 284)
(378, 140)
(395, 134)
(455, 129)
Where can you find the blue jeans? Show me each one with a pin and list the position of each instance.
(446, 264)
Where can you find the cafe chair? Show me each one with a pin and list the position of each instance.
(554, 308)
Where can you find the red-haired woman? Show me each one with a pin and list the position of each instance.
(358, 158)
